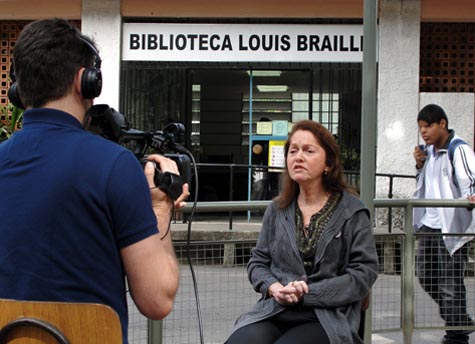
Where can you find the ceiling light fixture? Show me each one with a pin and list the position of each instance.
(272, 88)
(265, 73)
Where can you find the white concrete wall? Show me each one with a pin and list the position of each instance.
(102, 21)
(398, 97)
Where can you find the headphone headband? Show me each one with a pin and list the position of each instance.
(97, 58)
(11, 74)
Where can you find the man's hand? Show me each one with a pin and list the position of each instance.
(180, 202)
(158, 196)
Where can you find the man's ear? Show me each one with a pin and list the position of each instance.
(78, 81)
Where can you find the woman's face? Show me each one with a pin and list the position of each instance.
(306, 159)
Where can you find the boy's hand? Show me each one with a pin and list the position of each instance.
(419, 156)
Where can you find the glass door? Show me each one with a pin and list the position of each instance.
(277, 98)
(229, 109)
(229, 106)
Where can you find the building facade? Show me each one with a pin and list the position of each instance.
(237, 73)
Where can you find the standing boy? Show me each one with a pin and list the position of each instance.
(445, 170)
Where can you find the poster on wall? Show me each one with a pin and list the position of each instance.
(280, 128)
(276, 155)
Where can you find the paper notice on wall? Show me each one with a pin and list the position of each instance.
(276, 154)
(264, 128)
(280, 128)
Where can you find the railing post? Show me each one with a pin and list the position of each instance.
(390, 209)
(155, 331)
(408, 273)
(369, 95)
(231, 193)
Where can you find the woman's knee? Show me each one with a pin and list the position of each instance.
(262, 332)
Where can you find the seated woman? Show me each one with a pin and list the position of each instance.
(315, 259)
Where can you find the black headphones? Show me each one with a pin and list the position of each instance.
(91, 81)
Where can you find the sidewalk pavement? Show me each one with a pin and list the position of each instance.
(419, 337)
(220, 230)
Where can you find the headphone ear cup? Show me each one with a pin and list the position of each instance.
(91, 83)
(14, 96)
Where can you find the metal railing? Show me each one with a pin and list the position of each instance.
(352, 178)
(406, 296)
(408, 264)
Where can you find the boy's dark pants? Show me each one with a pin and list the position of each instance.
(442, 277)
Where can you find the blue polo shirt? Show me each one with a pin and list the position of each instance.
(70, 200)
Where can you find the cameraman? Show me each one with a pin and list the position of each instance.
(77, 212)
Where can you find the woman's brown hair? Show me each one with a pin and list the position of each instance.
(334, 181)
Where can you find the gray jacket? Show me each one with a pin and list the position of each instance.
(346, 261)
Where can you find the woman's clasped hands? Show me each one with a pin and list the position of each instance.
(290, 294)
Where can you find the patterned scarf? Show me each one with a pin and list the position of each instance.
(307, 244)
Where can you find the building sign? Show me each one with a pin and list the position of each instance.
(242, 42)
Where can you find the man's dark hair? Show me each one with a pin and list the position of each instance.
(46, 58)
(432, 113)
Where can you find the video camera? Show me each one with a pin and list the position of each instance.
(114, 126)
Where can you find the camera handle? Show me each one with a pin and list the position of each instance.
(168, 182)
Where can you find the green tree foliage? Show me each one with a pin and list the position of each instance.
(15, 114)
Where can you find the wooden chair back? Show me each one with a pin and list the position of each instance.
(32, 322)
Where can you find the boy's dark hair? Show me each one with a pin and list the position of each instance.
(432, 113)
(46, 58)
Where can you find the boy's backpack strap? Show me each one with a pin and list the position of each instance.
(452, 145)
(451, 151)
